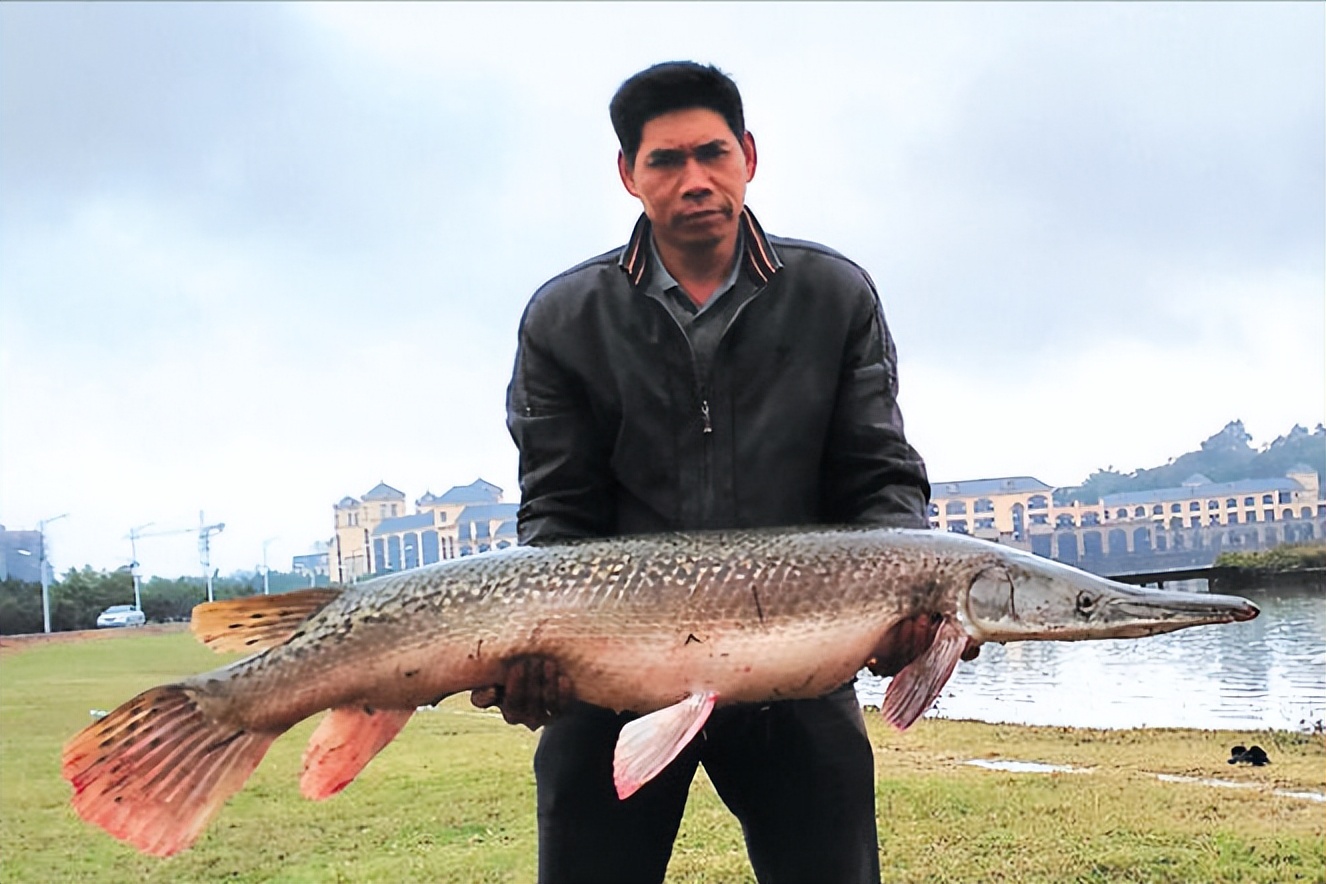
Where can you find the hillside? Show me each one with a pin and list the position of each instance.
(1224, 457)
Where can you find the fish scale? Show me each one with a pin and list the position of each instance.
(817, 591)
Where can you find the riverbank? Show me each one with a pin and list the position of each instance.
(1291, 566)
(452, 798)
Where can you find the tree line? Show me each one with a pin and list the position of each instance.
(80, 595)
(1224, 457)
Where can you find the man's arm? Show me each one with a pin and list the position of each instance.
(565, 494)
(871, 474)
(565, 481)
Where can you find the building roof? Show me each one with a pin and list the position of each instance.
(488, 512)
(986, 487)
(404, 523)
(477, 491)
(383, 491)
(347, 503)
(1193, 492)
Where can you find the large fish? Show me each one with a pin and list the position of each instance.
(666, 626)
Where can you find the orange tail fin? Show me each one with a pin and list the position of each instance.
(155, 771)
(345, 741)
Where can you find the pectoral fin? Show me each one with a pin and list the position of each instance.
(914, 688)
(648, 744)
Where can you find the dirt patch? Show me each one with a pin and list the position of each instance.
(12, 644)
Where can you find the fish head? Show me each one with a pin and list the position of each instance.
(1028, 598)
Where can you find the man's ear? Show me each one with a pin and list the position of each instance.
(748, 149)
(628, 179)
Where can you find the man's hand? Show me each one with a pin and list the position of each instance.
(535, 690)
(909, 639)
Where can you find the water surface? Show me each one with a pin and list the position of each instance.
(1266, 673)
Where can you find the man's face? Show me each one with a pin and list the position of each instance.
(691, 173)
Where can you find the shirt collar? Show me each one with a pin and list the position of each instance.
(659, 280)
(759, 258)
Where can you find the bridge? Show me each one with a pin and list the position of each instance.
(1142, 551)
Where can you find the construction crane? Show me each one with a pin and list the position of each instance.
(204, 532)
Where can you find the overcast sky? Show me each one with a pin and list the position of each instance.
(254, 258)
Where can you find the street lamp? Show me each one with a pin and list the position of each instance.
(45, 580)
(265, 589)
(134, 534)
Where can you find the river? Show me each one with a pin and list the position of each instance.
(1269, 673)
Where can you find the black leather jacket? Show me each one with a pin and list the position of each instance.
(797, 422)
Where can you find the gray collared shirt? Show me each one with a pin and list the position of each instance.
(704, 324)
(663, 283)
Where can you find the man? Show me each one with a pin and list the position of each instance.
(706, 375)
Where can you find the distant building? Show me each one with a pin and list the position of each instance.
(1199, 502)
(1020, 505)
(375, 534)
(20, 555)
(1004, 506)
(315, 564)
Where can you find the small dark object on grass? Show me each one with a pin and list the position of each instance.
(1255, 756)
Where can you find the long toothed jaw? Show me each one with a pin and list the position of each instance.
(1043, 599)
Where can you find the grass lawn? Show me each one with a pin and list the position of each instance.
(452, 798)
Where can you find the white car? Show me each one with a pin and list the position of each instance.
(121, 615)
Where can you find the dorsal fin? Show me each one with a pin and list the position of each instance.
(258, 622)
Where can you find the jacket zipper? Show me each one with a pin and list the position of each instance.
(706, 418)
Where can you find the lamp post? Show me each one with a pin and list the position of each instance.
(41, 566)
(265, 570)
(134, 534)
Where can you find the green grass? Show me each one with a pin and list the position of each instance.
(1287, 557)
(452, 799)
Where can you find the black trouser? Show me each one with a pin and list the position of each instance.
(799, 775)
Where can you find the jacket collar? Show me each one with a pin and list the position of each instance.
(760, 258)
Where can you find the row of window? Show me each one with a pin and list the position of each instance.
(1196, 505)
(1065, 547)
(986, 505)
(1064, 520)
(385, 511)
(400, 552)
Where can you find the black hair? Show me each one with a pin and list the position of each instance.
(671, 86)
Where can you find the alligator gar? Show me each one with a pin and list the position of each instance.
(665, 626)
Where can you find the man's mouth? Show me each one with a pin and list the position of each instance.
(702, 216)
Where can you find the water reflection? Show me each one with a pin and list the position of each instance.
(1266, 673)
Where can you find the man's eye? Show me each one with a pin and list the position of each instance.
(707, 152)
(666, 160)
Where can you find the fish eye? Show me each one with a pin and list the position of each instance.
(1086, 602)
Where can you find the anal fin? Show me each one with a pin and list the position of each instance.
(345, 741)
(255, 623)
(914, 688)
(650, 743)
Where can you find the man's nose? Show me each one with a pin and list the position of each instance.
(695, 181)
